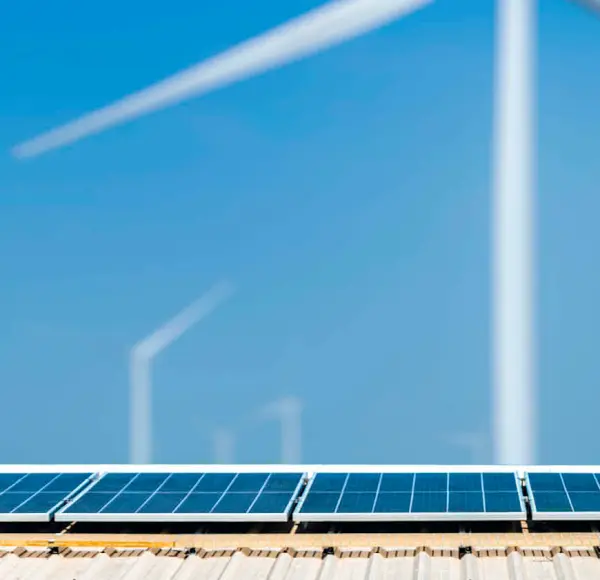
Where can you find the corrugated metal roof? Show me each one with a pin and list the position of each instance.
(285, 564)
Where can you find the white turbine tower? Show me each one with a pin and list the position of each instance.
(142, 355)
(514, 375)
(224, 443)
(513, 362)
(288, 411)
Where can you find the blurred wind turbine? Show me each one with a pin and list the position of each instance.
(142, 355)
(514, 374)
(309, 34)
(592, 4)
(288, 411)
(513, 363)
(224, 441)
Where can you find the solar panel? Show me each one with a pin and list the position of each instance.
(34, 497)
(564, 496)
(172, 497)
(411, 496)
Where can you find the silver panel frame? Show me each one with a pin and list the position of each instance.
(306, 517)
(63, 516)
(571, 516)
(48, 515)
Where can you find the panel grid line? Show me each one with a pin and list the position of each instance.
(429, 506)
(339, 501)
(377, 492)
(447, 492)
(155, 492)
(258, 494)
(212, 510)
(92, 490)
(596, 479)
(174, 510)
(15, 483)
(566, 491)
(116, 495)
(412, 493)
(483, 492)
(35, 493)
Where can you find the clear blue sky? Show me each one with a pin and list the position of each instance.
(346, 197)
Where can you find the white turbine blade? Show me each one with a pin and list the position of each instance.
(326, 26)
(514, 366)
(591, 4)
(173, 329)
(141, 356)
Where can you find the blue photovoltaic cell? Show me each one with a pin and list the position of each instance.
(164, 496)
(35, 496)
(407, 496)
(564, 495)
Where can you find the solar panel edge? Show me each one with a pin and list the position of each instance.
(334, 515)
(409, 517)
(171, 518)
(75, 495)
(521, 495)
(299, 491)
(303, 496)
(21, 513)
(64, 515)
(572, 514)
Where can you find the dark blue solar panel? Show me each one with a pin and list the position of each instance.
(397, 482)
(163, 503)
(425, 482)
(35, 496)
(416, 495)
(362, 482)
(270, 503)
(282, 482)
(502, 502)
(466, 482)
(432, 502)
(552, 501)
(465, 501)
(575, 482)
(126, 502)
(499, 482)
(118, 496)
(146, 482)
(329, 482)
(180, 482)
(114, 482)
(585, 501)
(564, 495)
(199, 503)
(393, 502)
(40, 503)
(546, 482)
(214, 482)
(358, 503)
(321, 502)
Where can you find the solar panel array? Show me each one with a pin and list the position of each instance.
(225, 497)
(564, 496)
(411, 496)
(34, 497)
(279, 496)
